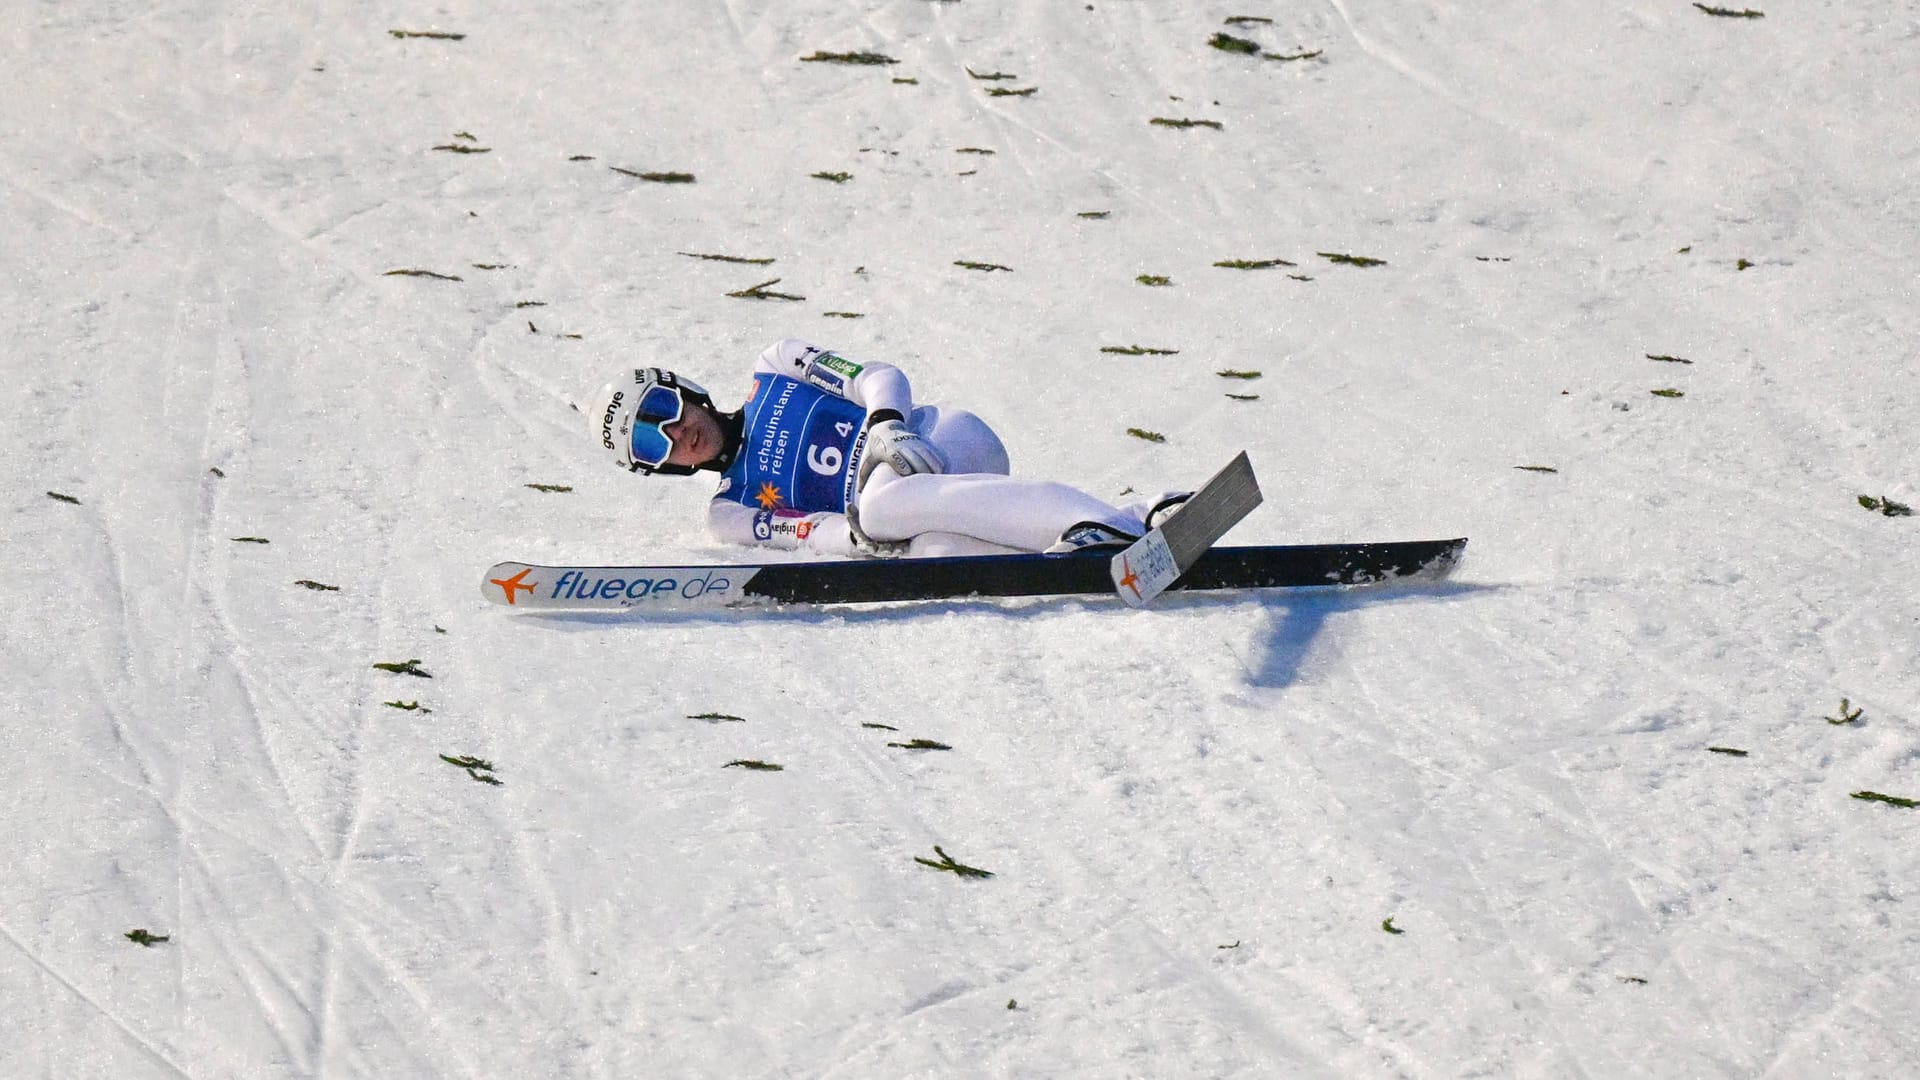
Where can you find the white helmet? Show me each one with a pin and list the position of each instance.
(630, 413)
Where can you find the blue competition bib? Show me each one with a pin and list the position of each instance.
(799, 449)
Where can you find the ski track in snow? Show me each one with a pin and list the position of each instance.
(1198, 816)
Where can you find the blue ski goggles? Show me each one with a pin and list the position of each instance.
(659, 406)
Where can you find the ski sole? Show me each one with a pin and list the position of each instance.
(1151, 564)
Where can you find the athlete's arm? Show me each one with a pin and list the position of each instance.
(876, 386)
(786, 530)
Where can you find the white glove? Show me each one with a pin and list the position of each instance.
(827, 534)
(908, 453)
(834, 536)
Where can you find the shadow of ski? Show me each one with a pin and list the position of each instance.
(1300, 616)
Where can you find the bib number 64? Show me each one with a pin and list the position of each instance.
(826, 459)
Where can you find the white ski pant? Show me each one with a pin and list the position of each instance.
(975, 508)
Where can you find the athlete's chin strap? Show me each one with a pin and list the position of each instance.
(733, 427)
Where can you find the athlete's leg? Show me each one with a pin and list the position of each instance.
(974, 508)
(965, 440)
(934, 545)
(1009, 511)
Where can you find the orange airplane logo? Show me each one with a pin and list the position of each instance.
(1131, 580)
(508, 585)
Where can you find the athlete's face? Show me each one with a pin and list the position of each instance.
(696, 436)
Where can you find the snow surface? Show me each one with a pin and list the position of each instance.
(1200, 817)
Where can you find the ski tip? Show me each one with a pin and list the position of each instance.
(506, 583)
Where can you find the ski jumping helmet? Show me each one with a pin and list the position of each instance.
(630, 416)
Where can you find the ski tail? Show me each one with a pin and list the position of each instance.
(1151, 564)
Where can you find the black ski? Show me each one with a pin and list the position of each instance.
(528, 587)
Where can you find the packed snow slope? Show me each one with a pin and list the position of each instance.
(1624, 292)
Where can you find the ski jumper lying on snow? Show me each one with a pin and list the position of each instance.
(831, 455)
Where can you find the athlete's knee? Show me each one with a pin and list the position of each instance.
(892, 506)
(975, 447)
